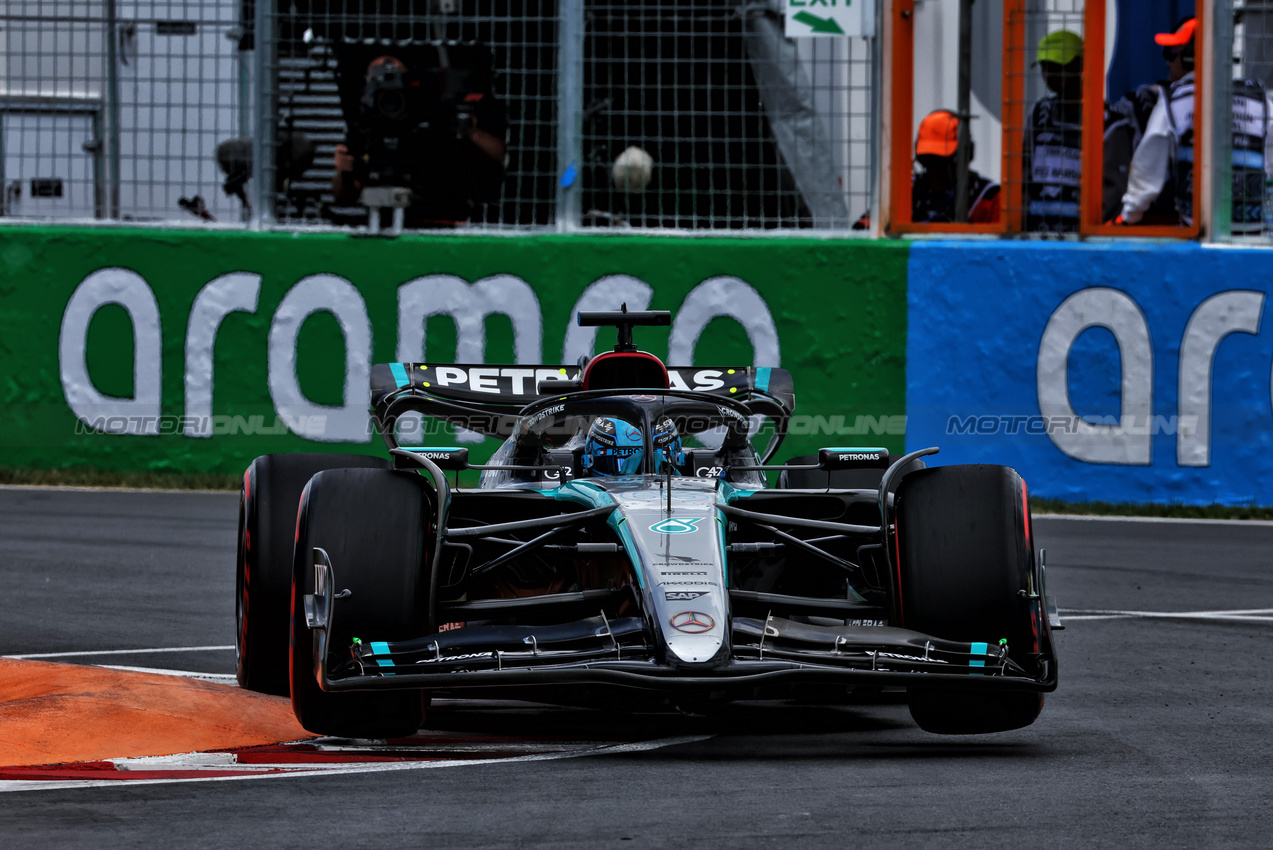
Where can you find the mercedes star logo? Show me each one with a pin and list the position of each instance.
(693, 622)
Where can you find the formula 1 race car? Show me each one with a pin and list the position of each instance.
(624, 540)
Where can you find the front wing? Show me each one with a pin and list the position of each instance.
(622, 651)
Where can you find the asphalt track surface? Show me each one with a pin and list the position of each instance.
(1158, 736)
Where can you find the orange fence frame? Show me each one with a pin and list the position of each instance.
(897, 215)
(1093, 162)
(1012, 117)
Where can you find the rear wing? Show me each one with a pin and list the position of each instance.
(487, 399)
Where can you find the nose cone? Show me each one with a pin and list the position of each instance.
(696, 636)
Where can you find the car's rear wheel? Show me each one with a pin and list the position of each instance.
(374, 526)
(271, 490)
(965, 558)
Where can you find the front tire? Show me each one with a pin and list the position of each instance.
(965, 558)
(271, 490)
(374, 525)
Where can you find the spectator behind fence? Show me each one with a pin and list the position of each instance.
(1053, 145)
(437, 131)
(1164, 159)
(933, 186)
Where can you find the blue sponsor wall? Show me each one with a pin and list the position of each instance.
(1007, 338)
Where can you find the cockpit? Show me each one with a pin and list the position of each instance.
(659, 432)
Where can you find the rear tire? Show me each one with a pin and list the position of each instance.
(964, 554)
(271, 491)
(373, 526)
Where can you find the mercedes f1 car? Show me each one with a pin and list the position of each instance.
(624, 536)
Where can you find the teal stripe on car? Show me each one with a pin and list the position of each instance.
(399, 374)
(978, 649)
(762, 377)
(381, 648)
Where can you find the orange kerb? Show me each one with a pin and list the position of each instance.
(58, 713)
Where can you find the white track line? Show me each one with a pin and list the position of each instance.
(1158, 519)
(381, 767)
(1241, 615)
(160, 671)
(85, 654)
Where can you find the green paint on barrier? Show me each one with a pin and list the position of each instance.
(261, 341)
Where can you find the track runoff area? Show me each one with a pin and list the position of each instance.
(1166, 583)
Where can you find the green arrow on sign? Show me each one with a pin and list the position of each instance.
(816, 24)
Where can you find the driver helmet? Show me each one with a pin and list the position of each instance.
(617, 447)
(667, 445)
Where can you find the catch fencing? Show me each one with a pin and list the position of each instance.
(668, 116)
(231, 111)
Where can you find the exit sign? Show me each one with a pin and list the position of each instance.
(837, 18)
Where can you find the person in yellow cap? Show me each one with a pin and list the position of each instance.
(934, 183)
(1163, 164)
(1053, 141)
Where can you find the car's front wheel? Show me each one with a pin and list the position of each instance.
(965, 560)
(373, 524)
(271, 489)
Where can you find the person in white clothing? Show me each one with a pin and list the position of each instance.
(1163, 160)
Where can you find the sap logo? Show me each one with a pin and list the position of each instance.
(683, 595)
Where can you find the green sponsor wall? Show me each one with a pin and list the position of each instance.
(838, 308)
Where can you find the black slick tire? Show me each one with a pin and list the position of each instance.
(965, 555)
(373, 524)
(271, 491)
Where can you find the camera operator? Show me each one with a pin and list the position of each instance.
(438, 132)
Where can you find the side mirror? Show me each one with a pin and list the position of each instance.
(448, 459)
(853, 458)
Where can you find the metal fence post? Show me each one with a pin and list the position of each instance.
(878, 152)
(964, 97)
(570, 35)
(264, 131)
(112, 134)
(1219, 90)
